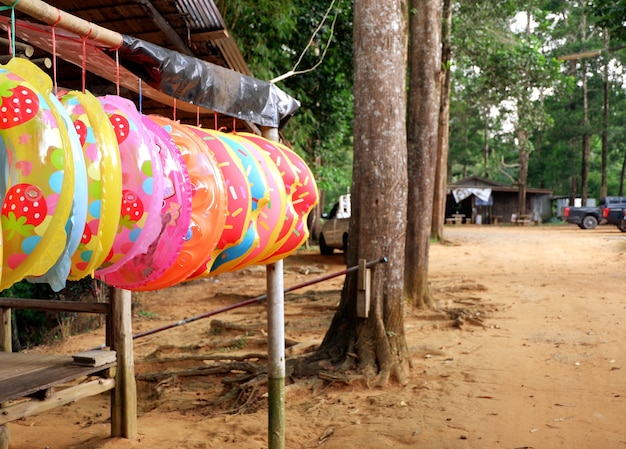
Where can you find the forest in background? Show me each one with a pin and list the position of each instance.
(554, 69)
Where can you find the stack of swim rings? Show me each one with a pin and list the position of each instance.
(92, 187)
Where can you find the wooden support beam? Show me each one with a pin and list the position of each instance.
(57, 399)
(6, 345)
(54, 16)
(55, 306)
(124, 398)
(5, 330)
(210, 36)
(165, 27)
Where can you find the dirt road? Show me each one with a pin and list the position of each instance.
(530, 353)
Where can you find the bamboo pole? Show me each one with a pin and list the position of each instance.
(275, 344)
(66, 21)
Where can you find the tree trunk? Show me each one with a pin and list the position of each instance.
(621, 176)
(441, 175)
(522, 180)
(423, 120)
(378, 221)
(605, 118)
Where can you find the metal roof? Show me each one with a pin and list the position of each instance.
(191, 27)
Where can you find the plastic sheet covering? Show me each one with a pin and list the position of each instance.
(202, 83)
(170, 74)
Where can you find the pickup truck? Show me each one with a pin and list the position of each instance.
(613, 211)
(334, 232)
(589, 217)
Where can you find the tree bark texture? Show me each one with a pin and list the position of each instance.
(422, 133)
(441, 174)
(378, 221)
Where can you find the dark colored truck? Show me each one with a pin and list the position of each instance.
(610, 211)
(613, 211)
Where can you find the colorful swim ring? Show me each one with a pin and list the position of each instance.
(37, 181)
(272, 215)
(260, 195)
(290, 179)
(304, 198)
(208, 211)
(238, 197)
(142, 185)
(104, 181)
(57, 275)
(174, 218)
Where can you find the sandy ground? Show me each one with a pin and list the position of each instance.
(534, 361)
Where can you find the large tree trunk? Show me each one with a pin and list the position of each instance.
(376, 345)
(423, 119)
(441, 176)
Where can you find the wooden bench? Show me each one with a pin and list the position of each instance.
(34, 383)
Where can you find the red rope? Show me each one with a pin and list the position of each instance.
(84, 65)
(54, 52)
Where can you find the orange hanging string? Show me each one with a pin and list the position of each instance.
(234, 125)
(140, 96)
(54, 53)
(84, 65)
(215, 121)
(198, 116)
(174, 109)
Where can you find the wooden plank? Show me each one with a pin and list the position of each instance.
(57, 399)
(57, 306)
(94, 357)
(22, 375)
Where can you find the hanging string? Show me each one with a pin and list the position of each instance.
(54, 53)
(140, 97)
(11, 30)
(317, 64)
(198, 116)
(234, 125)
(174, 112)
(215, 121)
(84, 65)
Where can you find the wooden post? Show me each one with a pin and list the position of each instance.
(275, 344)
(6, 346)
(276, 355)
(5, 330)
(363, 290)
(124, 397)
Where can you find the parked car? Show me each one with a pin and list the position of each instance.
(334, 231)
(610, 211)
(622, 223)
(587, 217)
(613, 208)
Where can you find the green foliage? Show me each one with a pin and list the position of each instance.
(505, 81)
(272, 36)
(34, 326)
